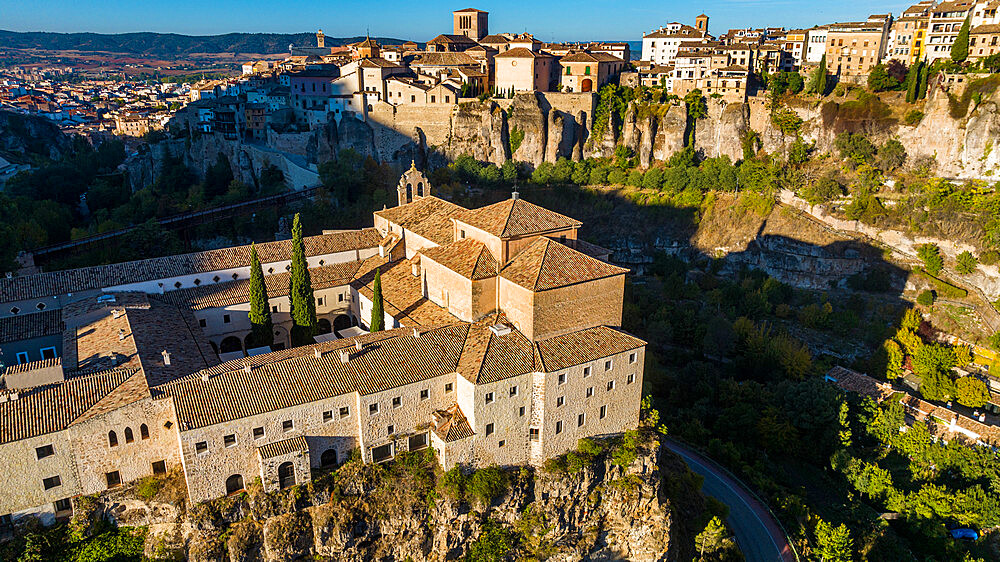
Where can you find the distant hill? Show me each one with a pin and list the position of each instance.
(171, 44)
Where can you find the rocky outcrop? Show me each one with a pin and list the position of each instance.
(596, 510)
(24, 136)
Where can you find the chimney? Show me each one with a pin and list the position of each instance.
(117, 313)
(166, 357)
(357, 345)
(248, 368)
(205, 377)
(515, 195)
(344, 356)
(121, 334)
(416, 333)
(317, 353)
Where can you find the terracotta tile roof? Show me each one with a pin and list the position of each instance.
(467, 257)
(53, 407)
(546, 264)
(590, 57)
(450, 424)
(28, 326)
(488, 357)
(853, 381)
(402, 294)
(292, 377)
(449, 38)
(523, 53)
(584, 247)
(101, 276)
(284, 447)
(432, 58)
(986, 28)
(228, 293)
(429, 217)
(516, 217)
(165, 327)
(567, 350)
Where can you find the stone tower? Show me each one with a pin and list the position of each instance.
(413, 185)
(701, 24)
(472, 23)
(320, 39)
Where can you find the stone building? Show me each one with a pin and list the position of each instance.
(503, 346)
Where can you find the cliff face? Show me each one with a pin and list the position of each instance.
(22, 136)
(366, 512)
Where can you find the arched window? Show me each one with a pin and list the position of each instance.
(112, 439)
(324, 326)
(420, 189)
(234, 484)
(143, 431)
(329, 458)
(128, 435)
(231, 344)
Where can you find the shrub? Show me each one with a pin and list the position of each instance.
(914, 117)
(855, 148)
(930, 254)
(494, 543)
(627, 450)
(925, 298)
(989, 257)
(891, 155)
(148, 487)
(487, 484)
(966, 263)
(971, 392)
(454, 482)
(944, 288)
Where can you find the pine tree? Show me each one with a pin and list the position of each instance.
(377, 323)
(711, 539)
(300, 292)
(261, 327)
(835, 543)
(960, 48)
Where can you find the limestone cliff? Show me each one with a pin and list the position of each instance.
(600, 511)
(25, 136)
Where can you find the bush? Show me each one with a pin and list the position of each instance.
(925, 298)
(627, 450)
(855, 148)
(487, 484)
(971, 392)
(891, 155)
(453, 483)
(494, 544)
(148, 487)
(989, 257)
(944, 288)
(966, 263)
(914, 117)
(930, 254)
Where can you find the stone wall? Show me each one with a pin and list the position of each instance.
(583, 305)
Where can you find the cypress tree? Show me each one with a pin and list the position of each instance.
(960, 48)
(300, 291)
(262, 329)
(912, 81)
(377, 323)
(821, 76)
(922, 87)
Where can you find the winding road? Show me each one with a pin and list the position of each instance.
(757, 533)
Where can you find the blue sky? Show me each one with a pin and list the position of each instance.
(551, 20)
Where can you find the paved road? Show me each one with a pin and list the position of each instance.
(757, 533)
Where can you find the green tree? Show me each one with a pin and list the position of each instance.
(925, 298)
(912, 82)
(930, 254)
(966, 263)
(377, 323)
(971, 392)
(261, 328)
(817, 81)
(922, 86)
(711, 539)
(300, 291)
(834, 544)
(891, 155)
(894, 359)
(879, 79)
(960, 48)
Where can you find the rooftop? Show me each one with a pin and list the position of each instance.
(546, 264)
(429, 217)
(467, 257)
(516, 217)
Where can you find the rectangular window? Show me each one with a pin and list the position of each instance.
(202, 323)
(448, 387)
(397, 402)
(373, 408)
(590, 391)
(425, 394)
(513, 391)
(520, 411)
(417, 442)
(327, 416)
(274, 308)
(501, 443)
(390, 430)
(345, 411)
(581, 419)
(340, 297)
(631, 378)
(560, 401)
(586, 371)
(201, 447)
(604, 411)
(558, 427)
(533, 434)
(489, 397)
(287, 426)
(258, 433)
(113, 479)
(160, 467)
(562, 378)
(611, 385)
(48, 352)
(63, 505)
(608, 365)
(22, 357)
(489, 429)
(229, 440)
(51, 482)
(632, 357)
(44, 451)
(225, 318)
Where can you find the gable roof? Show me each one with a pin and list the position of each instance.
(28, 326)
(576, 348)
(523, 53)
(546, 264)
(468, 257)
(516, 217)
(429, 217)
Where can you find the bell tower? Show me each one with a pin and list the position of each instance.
(413, 185)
